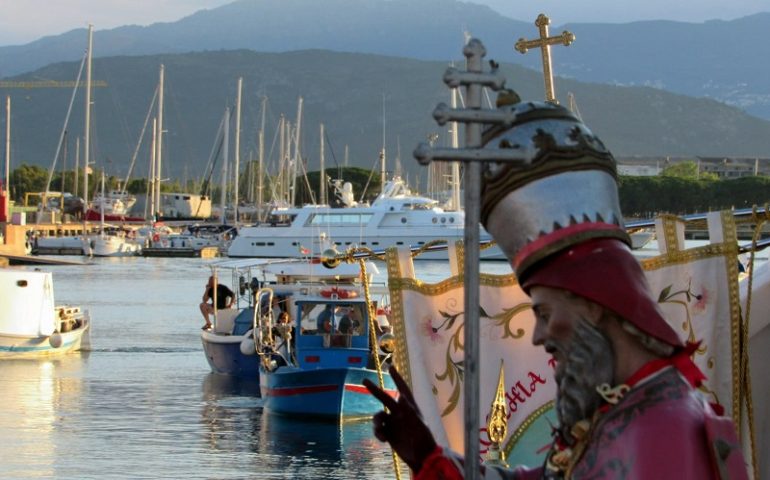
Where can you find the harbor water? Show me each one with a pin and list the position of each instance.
(142, 403)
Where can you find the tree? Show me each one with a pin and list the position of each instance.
(27, 178)
(687, 169)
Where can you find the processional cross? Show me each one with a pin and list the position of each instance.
(475, 155)
(544, 44)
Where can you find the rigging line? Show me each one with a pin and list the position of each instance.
(369, 180)
(139, 143)
(273, 185)
(64, 129)
(331, 150)
(217, 149)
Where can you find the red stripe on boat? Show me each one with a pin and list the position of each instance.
(285, 392)
(350, 387)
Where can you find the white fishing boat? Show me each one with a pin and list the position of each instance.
(120, 244)
(194, 241)
(31, 324)
(60, 245)
(396, 217)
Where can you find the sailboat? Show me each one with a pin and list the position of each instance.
(119, 243)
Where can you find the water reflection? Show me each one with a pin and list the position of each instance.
(231, 410)
(321, 448)
(35, 394)
(277, 446)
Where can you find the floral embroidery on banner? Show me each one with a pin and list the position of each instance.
(694, 303)
(495, 326)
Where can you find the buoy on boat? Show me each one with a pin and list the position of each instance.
(335, 292)
(155, 237)
(55, 340)
(248, 347)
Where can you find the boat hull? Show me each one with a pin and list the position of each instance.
(323, 392)
(18, 346)
(114, 247)
(274, 242)
(223, 353)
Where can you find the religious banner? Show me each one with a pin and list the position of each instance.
(428, 323)
(697, 289)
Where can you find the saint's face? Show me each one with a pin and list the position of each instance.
(557, 313)
(566, 328)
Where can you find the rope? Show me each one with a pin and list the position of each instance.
(373, 345)
(745, 373)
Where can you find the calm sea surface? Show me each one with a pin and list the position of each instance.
(142, 403)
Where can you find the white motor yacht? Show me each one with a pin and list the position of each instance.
(396, 217)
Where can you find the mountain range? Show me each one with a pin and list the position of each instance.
(718, 59)
(646, 88)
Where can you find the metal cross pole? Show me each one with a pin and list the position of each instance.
(474, 53)
(473, 155)
(544, 44)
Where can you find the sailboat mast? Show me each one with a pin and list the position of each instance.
(77, 166)
(297, 155)
(159, 141)
(7, 177)
(237, 159)
(101, 209)
(455, 165)
(225, 159)
(87, 138)
(383, 174)
(7, 154)
(260, 168)
(322, 175)
(151, 186)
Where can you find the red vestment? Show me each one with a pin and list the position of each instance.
(661, 429)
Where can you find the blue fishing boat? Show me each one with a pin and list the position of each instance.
(238, 338)
(314, 364)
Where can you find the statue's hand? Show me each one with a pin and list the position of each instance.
(401, 424)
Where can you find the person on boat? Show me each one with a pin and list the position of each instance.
(324, 319)
(225, 298)
(627, 400)
(282, 323)
(350, 321)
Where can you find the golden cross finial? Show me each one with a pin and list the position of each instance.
(544, 43)
(497, 427)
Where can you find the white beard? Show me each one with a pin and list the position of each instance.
(589, 363)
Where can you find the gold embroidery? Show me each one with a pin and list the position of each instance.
(612, 395)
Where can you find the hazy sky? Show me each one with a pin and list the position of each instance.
(22, 21)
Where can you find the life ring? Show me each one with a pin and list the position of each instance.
(339, 293)
(155, 237)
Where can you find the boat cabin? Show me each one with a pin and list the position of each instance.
(328, 329)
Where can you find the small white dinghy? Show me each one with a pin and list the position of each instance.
(31, 324)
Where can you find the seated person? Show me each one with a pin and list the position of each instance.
(324, 320)
(282, 324)
(350, 323)
(225, 298)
